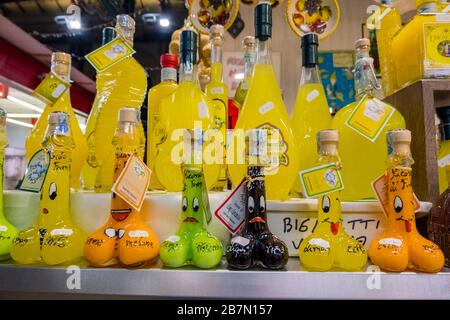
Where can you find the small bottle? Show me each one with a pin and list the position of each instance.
(401, 246)
(249, 44)
(7, 230)
(444, 147)
(54, 238)
(329, 245)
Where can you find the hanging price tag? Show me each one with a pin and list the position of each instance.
(110, 54)
(321, 180)
(133, 182)
(370, 117)
(51, 88)
(231, 213)
(36, 172)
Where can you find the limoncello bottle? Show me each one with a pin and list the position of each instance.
(125, 85)
(7, 230)
(90, 169)
(124, 238)
(444, 147)
(249, 44)
(264, 109)
(188, 107)
(362, 145)
(155, 132)
(311, 112)
(61, 64)
(217, 90)
(329, 245)
(54, 238)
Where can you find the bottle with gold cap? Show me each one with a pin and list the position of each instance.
(61, 64)
(249, 44)
(361, 151)
(329, 246)
(401, 246)
(155, 132)
(54, 238)
(217, 90)
(7, 230)
(422, 48)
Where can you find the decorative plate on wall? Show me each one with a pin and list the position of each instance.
(205, 13)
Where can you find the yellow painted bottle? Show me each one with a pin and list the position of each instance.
(155, 133)
(363, 151)
(187, 108)
(264, 109)
(61, 63)
(311, 112)
(54, 238)
(444, 147)
(217, 90)
(249, 44)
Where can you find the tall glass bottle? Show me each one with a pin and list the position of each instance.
(124, 238)
(444, 147)
(249, 44)
(311, 112)
(329, 245)
(7, 230)
(364, 160)
(54, 238)
(155, 132)
(61, 64)
(264, 109)
(217, 90)
(401, 246)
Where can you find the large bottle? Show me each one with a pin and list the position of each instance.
(401, 246)
(125, 85)
(217, 90)
(329, 245)
(90, 169)
(249, 44)
(444, 147)
(186, 108)
(389, 24)
(311, 112)
(61, 64)
(364, 160)
(54, 238)
(124, 238)
(264, 109)
(7, 230)
(155, 132)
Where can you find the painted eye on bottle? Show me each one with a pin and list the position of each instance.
(184, 204)
(195, 205)
(52, 191)
(325, 204)
(262, 204)
(398, 204)
(251, 204)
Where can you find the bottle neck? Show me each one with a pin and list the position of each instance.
(216, 60)
(310, 75)
(249, 63)
(263, 52)
(169, 75)
(188, 72)
(365, 77)
(399, 155)
(61, 70)
(328, 152)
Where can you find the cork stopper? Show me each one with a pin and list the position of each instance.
(399, 141)
(61, 62)
(216, 34)
(249, 42)
(361, 43)
(129, 114)
(327, 142)
(125, 27)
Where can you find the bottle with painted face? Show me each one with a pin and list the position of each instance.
(124, 239)
(54, 238)
(401, 246)
(329, 246)
(7, 230)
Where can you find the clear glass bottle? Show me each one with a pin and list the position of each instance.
(249, 44)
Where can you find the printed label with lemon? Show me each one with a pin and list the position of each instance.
(321, 180)
(437, 49)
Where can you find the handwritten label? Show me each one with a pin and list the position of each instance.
(51, 88)
(266, 107)
(110, 54)
(231, 213)
(36, 172)
(312, 95)
(321, 180)
(391, 242)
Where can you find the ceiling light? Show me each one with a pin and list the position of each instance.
(24, 115)
(164, 22)
(20, 123)
(24, 104)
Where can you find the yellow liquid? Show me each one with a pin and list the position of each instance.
(264, 107)
(362, 160)
(389, 26)
(155, 132)
(218, 92)
(188, 104)
(79, 153)
(311, 114)
(444, 150)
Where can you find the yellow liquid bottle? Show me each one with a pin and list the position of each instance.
(329, 245)
(389, 24)
(155, 133)
(264, 109)
(7, 230)
(364, 160)
(444, 148)
(311, 112)
(125, 84)
(217, 90)
(187, 108)
(61, 67)
(54, 238)
(249, 44)
(421, 49)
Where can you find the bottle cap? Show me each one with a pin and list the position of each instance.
(249, 41)
(398, 136)
(129, 114)
(217, 29)
(310, 50)
(364, 42)
(169, 60)
(328, 135)
(263, 21)
(188, 46)
(108, 34)
(61, 58)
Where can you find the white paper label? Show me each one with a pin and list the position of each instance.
(312, 95)
(168, 74)
(444, 161)
(58, 90)
(61, 232)
(231, 213)
(173, 238)
(3, 228)
(217, 90)
(391, 242)
(240, 240)
(266, 107)
(203, 110)
(138, 234)
(319, 242)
